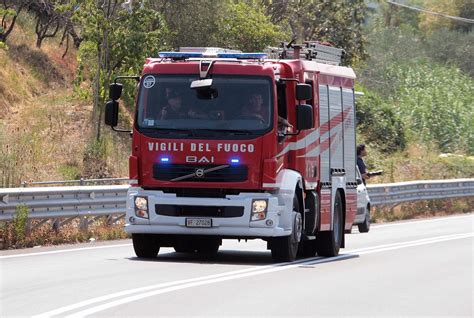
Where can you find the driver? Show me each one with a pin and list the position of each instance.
(255, 107)
(174, 108)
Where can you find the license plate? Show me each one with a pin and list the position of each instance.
(199, 222)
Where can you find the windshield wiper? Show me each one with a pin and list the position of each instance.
(168, 131)
(230, 131)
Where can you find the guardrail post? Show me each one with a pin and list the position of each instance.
(84, 224)
(56, 224)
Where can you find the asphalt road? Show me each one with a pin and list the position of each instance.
(414, 268)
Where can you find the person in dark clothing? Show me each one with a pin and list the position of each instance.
(362, 152)
(174, 108)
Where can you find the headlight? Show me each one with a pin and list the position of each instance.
(259, 210)
(141, 207)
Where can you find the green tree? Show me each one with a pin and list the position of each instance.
(9, 11)
(209, 23)
(337, 22)
(247, 28)
(116, 39)
(379, 123)
(192, 23)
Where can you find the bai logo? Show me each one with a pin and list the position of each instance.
(196, 159)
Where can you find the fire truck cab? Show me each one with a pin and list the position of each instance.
(232, 145)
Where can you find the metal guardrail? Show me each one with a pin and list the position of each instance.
(64, 202)
(396, 193)
(106, 200)
(81, 182)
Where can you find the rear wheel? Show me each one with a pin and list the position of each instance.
(365, 227)
(145, 245)
(328, 243)
(285, 248)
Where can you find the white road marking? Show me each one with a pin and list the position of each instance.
(153, 290)
(65, 251)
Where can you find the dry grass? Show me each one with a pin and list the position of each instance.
(419, 162)
(45, 132)
(422, 209)
(47, 234)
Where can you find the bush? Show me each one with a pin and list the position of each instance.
(19, 223)
(380, 125)
(436, 103)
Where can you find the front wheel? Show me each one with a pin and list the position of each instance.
(285, 248)
(328, 243)
(145, 245)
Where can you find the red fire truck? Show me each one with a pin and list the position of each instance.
(232, 145)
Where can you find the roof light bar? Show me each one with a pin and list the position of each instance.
(233, 55)
(242, 55)
(179, 55)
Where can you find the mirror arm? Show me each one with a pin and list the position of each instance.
(137, 78)
(292, 134)
(121, 130)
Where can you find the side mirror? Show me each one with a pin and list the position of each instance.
(304, 92)
(304, 117)
(111, 113)
(115, 91)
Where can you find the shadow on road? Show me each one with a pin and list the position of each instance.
(229, 257)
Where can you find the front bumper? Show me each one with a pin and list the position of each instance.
(240, 226)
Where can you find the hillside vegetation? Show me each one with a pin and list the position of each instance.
(417, 114)
(416, 72)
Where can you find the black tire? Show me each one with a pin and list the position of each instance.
(208, 247)
(145, 245)
(328, 243)
(307, 248)
(285, 248)
(365, 227)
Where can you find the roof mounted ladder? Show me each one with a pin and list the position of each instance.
(309, 50)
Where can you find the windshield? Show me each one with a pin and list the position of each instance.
(240, 103)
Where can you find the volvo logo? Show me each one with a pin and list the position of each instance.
(199, 173)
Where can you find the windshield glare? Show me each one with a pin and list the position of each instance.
(242, 103)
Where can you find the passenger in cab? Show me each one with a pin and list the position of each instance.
(255, 108)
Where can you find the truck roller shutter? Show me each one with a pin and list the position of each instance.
(324, 132)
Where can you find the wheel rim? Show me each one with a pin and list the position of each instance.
(298, 226)
(337, 223)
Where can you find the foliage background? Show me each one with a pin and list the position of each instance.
(415, 70)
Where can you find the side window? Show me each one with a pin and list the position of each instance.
(281, 96)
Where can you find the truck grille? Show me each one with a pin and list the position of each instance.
(192, 210)
(168, 172)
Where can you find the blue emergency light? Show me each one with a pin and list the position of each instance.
(165, 159)
(187, 55)
(234, 160)
(250, 56)
(179, 55)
